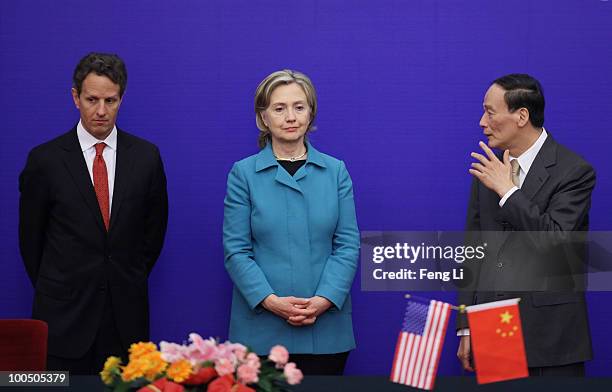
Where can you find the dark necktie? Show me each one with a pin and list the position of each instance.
(100, 178)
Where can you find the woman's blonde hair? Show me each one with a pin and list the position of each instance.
(264, 92)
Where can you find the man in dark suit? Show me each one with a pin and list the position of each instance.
(92, 219)
(530, 204)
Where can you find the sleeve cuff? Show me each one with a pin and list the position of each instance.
(507, 195)
(256, 300)
(463, 332)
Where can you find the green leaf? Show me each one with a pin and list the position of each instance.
(123, 387)
(264, 385)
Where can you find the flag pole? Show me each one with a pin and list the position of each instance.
(460, 308)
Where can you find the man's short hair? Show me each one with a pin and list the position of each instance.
(524, 91)
(103, 64)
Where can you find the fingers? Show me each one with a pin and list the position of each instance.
(480, 157)
(506, 157)
(476, 174)
(296, 319)
(295, 312)
(464, 353)
(301, 314)
(286, 307)
(488, 151)
(309, 321)
(478, 166)
(300, 311)
(308, 312)
(306, 321)
(298, 301)
(319, 305)
(465, 363)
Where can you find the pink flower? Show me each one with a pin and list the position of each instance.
(248, 374)
(279, 355)
(200, 350)
(292, 374)
(240, 351)
(252, 360)
(224, 366)
(225, 351)
(172, 352)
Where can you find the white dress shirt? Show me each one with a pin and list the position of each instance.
(525, 161)
(88, 142)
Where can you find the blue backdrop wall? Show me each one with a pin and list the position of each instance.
(400, 87)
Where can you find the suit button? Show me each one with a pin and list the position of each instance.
(102, 288)
(109, 258)
(500, 264)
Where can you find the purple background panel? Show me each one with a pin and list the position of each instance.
(400, 87)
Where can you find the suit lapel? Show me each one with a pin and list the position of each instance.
(286, 179)
(315, 158)
(265, 159)
(537, 176)
(538, 173)
(123, 167)
(76, 166)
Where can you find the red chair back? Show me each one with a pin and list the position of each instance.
(23, 345)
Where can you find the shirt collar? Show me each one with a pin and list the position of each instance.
(265, 158)
(87, 141)
(526, 159)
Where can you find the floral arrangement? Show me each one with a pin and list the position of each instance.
(200, 365)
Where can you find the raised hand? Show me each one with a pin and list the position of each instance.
(493, 173)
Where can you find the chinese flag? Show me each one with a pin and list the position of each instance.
(497, 341)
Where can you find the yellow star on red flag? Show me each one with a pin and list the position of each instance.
(506, 317)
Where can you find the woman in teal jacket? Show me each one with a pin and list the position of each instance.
(290, 235)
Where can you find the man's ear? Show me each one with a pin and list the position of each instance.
(75, 97)
(523, 117)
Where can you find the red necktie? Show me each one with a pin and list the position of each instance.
(100, 178)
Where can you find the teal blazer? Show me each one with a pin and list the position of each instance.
(288, 236)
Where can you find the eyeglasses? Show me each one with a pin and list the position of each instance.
(283, 111)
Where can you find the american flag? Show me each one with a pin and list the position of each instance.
(419, 344)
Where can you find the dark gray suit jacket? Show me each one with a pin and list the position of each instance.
(71, 259)
(535, 250)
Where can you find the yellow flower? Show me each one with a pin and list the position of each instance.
(110, 365)
(149, 365)
(155, 365)
(132, 371)
(137, 350)
(180, 370)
